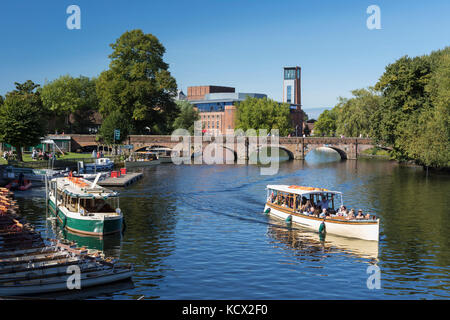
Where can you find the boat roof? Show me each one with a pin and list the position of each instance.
(81, 188)
(300, 189)
(161, 149)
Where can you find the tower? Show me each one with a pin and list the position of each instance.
(292, 86)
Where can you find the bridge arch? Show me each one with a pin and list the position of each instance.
(224, 149)
(341, 152)
(149, 146)
(260, 147)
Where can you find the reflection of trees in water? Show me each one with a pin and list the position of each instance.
(149, 211)
(414, 218)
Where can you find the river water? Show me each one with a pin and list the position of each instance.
(199, 232)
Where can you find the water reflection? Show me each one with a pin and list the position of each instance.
(198, 232)
(309, 243)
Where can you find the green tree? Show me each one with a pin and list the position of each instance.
(263, 113)
(353, 116)
(413, 115)
(138, 83)
(116, 120)
(67, 95)
(187, 116)
(22, 121)
(326, 123)
(1, 100)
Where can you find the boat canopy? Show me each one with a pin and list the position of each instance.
(300, 190)
(82, 188)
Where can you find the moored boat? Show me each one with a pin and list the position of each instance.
(101, 164)
(288, 202)
(84, 207)
(142, 159)
(164, 154)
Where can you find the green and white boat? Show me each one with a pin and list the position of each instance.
(84, 207)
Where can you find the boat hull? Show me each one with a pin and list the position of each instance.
(86, 226)
(134, 164)
(61, 284)
(351, 229)
(165, 159)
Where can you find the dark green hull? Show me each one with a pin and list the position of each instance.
(85, 226)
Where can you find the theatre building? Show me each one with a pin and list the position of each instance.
(217, 104)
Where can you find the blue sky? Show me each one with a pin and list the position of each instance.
(239, 43)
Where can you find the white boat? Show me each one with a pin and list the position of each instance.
(142, 159)
(284, 202)
(164, 154)
(101, 164)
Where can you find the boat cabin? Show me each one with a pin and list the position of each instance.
(82, 196)
(143, 156)
(294, 197)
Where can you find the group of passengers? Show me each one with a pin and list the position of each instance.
(320, 209)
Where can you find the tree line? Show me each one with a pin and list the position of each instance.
(408, 109)
(135, 95)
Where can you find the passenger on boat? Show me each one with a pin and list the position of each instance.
(317, 211)
(351, 215)
(341, 211)
(323, 214)
(305, 207)
(360, 215)
(324, 203)
(367, 216)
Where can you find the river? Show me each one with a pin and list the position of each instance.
(199, 232)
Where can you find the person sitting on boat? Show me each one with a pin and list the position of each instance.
(367, 217)
(360, 215)
(317, 211)
(311, 211)
(341, 211)
(323, 214)
(351, 215)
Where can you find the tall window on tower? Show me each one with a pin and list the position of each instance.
(289, 74)
(288, 94)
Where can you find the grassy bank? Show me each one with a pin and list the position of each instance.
(377, 152)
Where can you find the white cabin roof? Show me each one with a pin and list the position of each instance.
(83, 189)
(301, 190)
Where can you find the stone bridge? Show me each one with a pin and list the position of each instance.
(296, 147)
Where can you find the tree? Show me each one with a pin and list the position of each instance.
(1, 100)
(326, 123)
(67, 95)
(413, 116)
(116, 120)
(263, 113)
(22, 117)
(187, 116)
(354, 114)
(138, 83)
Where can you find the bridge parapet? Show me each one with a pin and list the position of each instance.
(298, 147)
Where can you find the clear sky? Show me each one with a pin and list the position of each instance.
(239, 43)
